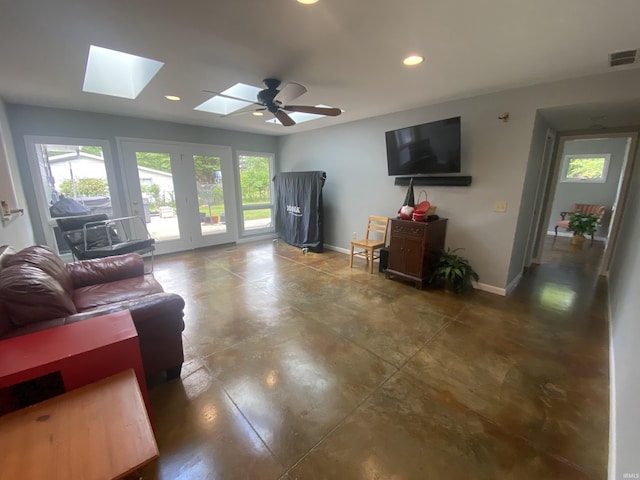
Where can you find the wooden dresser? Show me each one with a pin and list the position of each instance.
(413, 247)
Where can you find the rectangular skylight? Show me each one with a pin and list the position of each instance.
(224, 106)
(119, 74)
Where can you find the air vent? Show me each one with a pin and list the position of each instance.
(626, 57)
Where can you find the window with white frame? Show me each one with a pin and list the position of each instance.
(585, 168)
(255, 173)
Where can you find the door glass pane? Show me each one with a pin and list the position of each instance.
(210, 194)
(158, 195)
(255, 187)
(74, 182)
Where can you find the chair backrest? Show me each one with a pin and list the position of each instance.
(378, 225)
(589, 208)
(84, 232)
(76, 223)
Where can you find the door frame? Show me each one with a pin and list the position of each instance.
(189, 221)
(533, 251)
(115, 188)
(625, 179)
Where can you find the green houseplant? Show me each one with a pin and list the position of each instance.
(582, 224)
(453, 271)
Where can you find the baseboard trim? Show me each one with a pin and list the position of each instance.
(337, 249)
(612, 399)
(513, 284)
(479, 286)
(490, 288)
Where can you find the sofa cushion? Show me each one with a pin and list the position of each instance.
(30, 295)
(105, 270)
(92, 296)
(44, 259)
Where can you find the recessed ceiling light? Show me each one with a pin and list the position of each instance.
(412, 60)
(258, 114)
(172, 97)
(307, 2)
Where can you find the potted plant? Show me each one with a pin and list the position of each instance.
(453, 271)
(582, 224)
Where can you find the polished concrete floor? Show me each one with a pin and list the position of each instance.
(298, 367)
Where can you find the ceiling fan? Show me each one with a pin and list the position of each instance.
(277, 102)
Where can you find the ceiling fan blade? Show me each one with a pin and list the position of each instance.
(289, 92)
(245, 110)
(328, 111)
(232, 98)
(285, 119)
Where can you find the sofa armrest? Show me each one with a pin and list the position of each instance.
(144, 310)
(104, 270)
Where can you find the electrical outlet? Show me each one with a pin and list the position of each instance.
(354, 236)
(500, 206)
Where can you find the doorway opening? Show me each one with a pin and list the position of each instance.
(589, 170)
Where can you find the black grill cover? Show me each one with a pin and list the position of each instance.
(298, 209)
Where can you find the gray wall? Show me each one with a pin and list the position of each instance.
(593, 193)
(624, 302)
(524, 237)
(28, 120)
(496, 154)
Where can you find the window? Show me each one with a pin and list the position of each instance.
(256, 170)
(78, 170)
(585, 168)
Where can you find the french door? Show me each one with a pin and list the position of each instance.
(70, 176)
(184, 192)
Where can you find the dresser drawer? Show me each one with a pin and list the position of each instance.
(408, 228)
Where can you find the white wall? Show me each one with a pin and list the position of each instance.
(568, 193)
(624, 302)
(18, 232)
(496, 154)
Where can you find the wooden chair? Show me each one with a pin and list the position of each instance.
(584, 208)
(378, 227)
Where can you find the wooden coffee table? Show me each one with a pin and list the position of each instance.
(82, 352)
(99, 431)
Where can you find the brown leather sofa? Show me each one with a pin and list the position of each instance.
(38, 291)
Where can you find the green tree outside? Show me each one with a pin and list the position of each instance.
(586, 168)
(254, 178)
(84, 187)
(156, 161)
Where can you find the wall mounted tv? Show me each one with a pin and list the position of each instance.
(430, 148)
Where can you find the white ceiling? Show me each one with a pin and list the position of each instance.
(346, 52)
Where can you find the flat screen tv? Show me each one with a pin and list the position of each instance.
(430, 148)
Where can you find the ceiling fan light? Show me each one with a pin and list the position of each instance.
(412, 60)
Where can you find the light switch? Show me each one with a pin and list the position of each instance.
(500, 206)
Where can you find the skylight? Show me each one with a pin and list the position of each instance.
(119, 74)
(224, 106)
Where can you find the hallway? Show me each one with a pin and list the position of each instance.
(298, 367)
